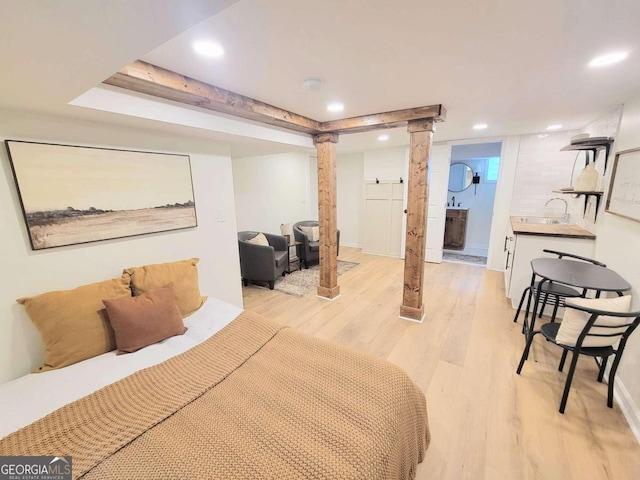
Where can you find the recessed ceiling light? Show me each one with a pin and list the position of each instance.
(554, 127)
(208, 49)
(335, 107)
(383, 138)
(542, 135)
(480, 126)
(608, 59)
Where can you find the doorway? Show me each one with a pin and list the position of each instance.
(473, 175)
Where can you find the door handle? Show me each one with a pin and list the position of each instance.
(506, 239)
(506, 265)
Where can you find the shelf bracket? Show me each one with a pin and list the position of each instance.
(598, 196)
(607, 148)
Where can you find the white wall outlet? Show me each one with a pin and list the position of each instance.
(220, 214)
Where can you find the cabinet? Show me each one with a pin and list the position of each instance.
(520, 249)
(509, 250)
(455, 229)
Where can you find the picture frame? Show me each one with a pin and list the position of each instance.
(71, 194)
(623, 198)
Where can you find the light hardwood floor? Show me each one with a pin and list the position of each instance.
(486, 421)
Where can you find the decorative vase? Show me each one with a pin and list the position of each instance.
(587, 181)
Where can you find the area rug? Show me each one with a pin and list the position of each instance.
(300, 282)
(462, 258)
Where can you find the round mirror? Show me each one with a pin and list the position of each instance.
(460, 175)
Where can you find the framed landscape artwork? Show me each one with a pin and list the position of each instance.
(624, 190)
(72, 194)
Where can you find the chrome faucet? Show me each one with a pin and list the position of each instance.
(565, 217)
(453, 200)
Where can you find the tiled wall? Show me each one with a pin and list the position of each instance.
(542, 168)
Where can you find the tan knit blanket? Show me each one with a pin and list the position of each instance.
(255, 401)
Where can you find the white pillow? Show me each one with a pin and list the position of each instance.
(259, 239)
(575, 320)
(312, 232)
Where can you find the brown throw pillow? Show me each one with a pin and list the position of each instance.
(184, 276)
(73, 323)
(144, 320)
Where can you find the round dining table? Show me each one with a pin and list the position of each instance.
(584, 275)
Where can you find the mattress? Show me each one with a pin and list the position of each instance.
(28, 398)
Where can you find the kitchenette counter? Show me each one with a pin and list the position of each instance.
(567, 230)
(527, 239)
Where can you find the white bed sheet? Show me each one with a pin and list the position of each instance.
(29, 398)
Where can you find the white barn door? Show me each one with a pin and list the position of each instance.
(383, 218)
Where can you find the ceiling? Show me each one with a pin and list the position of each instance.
(515, 65)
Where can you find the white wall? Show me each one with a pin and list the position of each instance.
(25, 272)
(275, 189)
(617, 243)
(385, 164)
(502, 202)
(271, 190)
(350, 174)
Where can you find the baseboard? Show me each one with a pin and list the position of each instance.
(354, 245)
(629, 409)
(328, 299)
(380, 254)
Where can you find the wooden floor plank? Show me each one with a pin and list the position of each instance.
(486, 421)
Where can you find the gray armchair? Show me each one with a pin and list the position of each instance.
(308, 252)
(262, 263)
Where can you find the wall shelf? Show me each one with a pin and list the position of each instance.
(592, 145)
(596, 194)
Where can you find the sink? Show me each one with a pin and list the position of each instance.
(543, 220)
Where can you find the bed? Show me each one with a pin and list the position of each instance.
(236, 396)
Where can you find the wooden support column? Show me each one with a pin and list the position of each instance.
(327, 215)
(421, 132)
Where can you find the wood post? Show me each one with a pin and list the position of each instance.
(421, 133)
(327, 214)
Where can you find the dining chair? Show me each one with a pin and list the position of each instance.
(553, 293)
(592, 327)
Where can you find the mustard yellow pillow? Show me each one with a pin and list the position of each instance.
(184, 276)
(73, 324)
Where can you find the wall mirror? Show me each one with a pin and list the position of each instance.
(460, 176)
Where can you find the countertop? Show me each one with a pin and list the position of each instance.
(568, 230)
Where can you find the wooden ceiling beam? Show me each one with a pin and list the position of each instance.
(377, 121)
(159, 82)
(145, 78)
